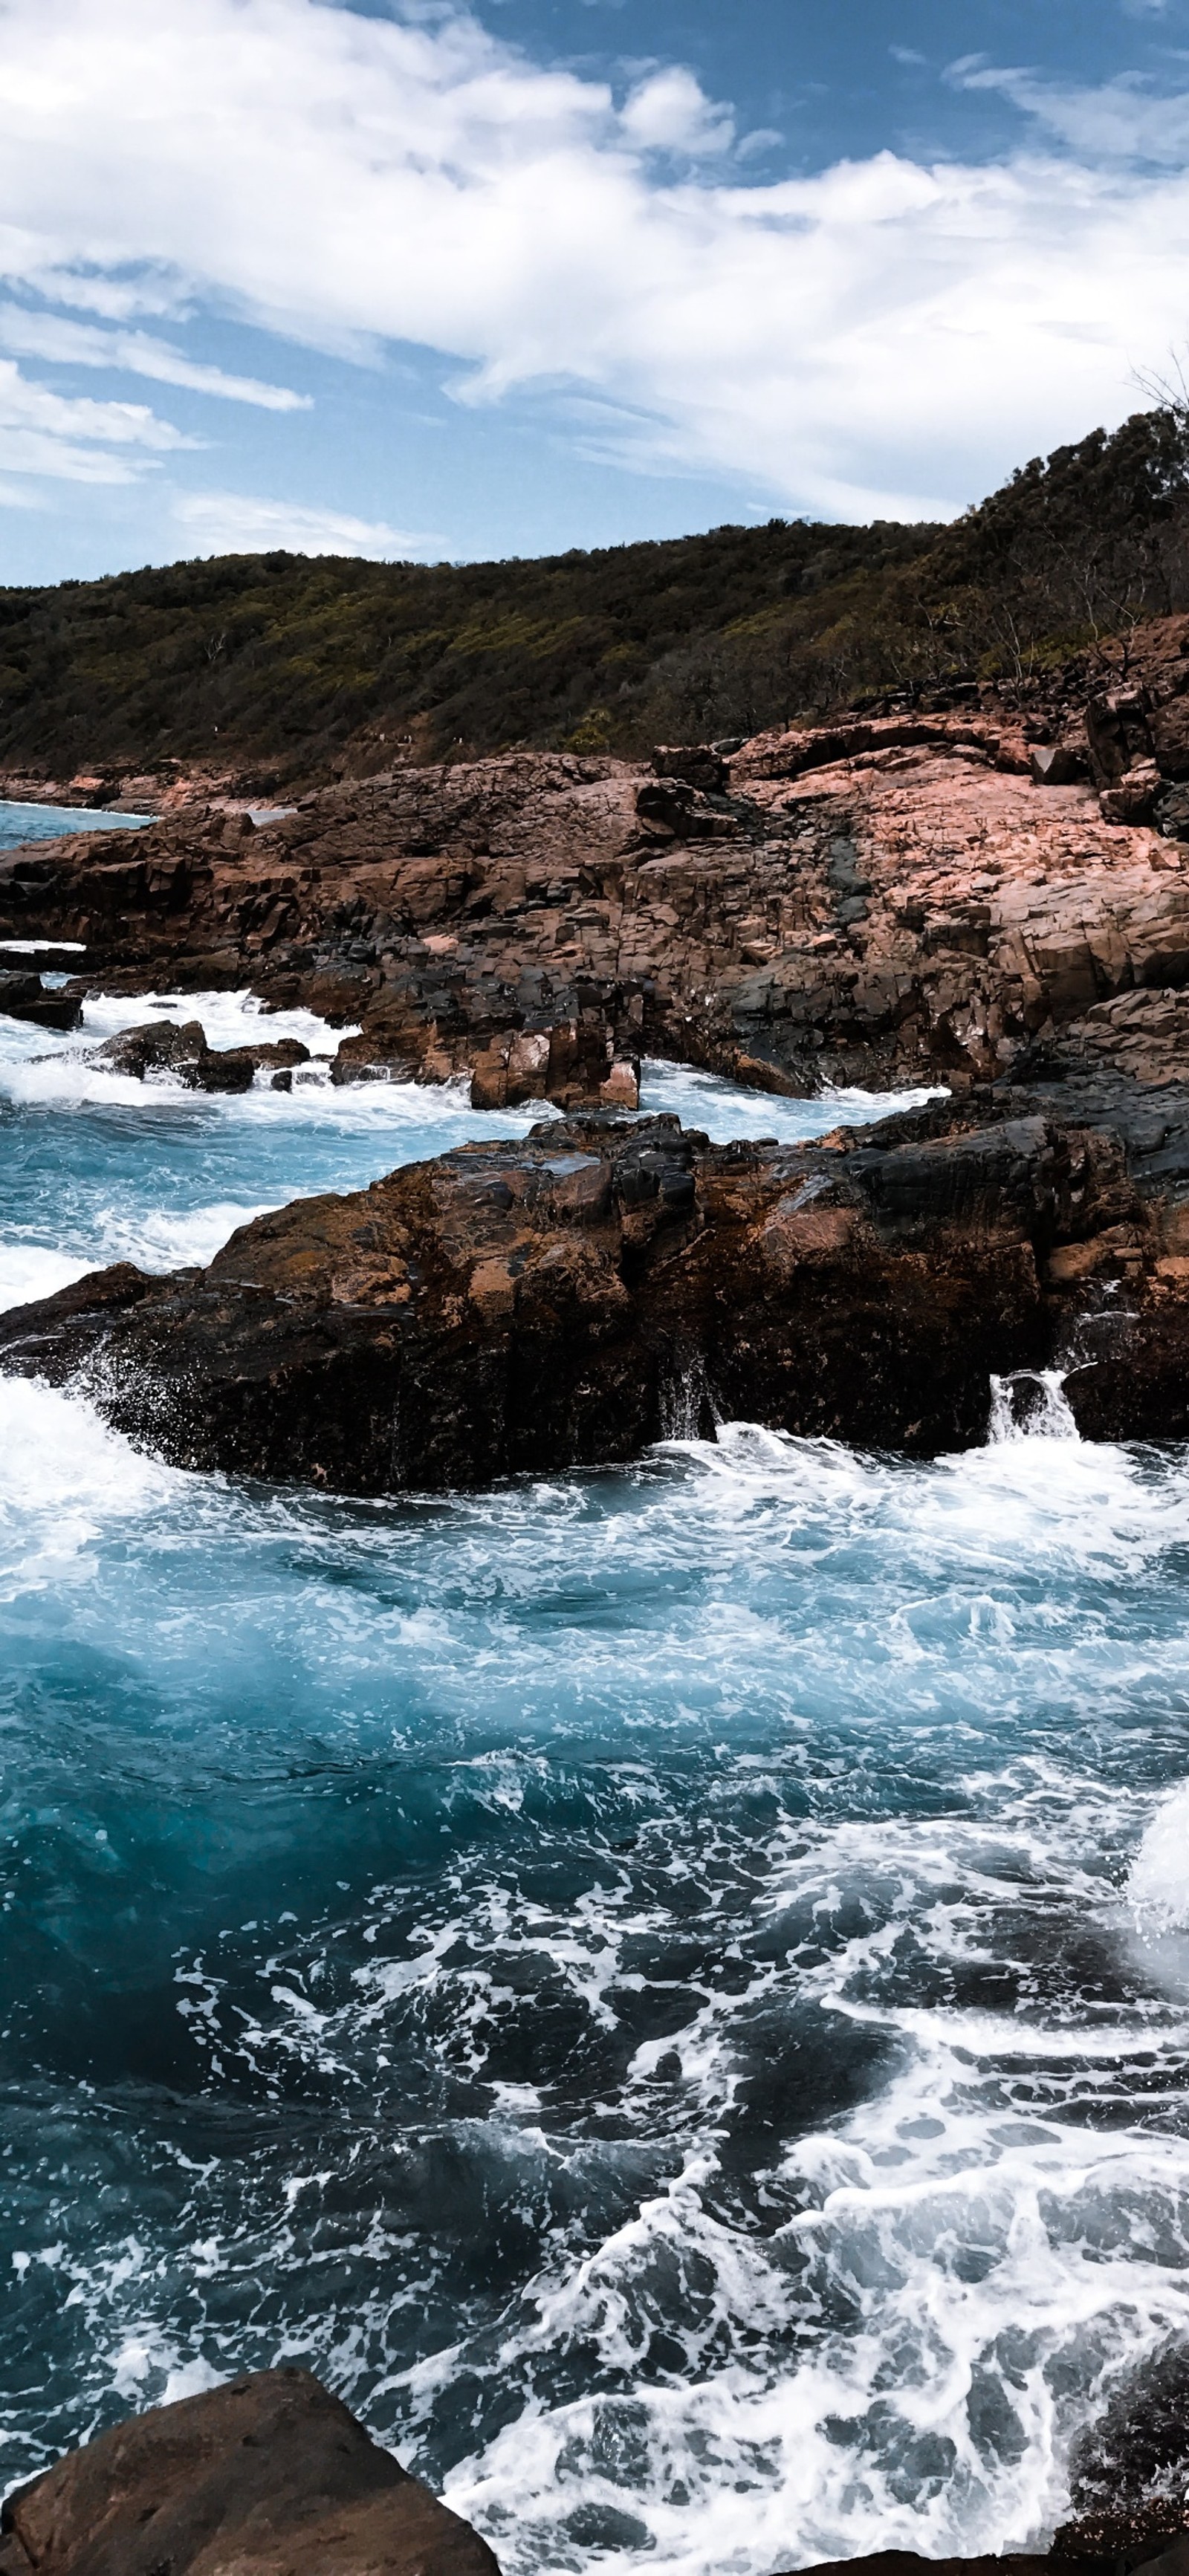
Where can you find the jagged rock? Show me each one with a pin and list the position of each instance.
(568, 1299)
(262, 2477)
(154, 1046)
(24, 997)
(165, 1046)
(700, 764)
(881, 900)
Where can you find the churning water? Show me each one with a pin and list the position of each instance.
(669, 1988)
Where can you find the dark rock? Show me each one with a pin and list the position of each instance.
(24, 997)
(566, 1300)
(155, 1046)
(224, 1069)
(1055, 765)
(1170, 811)
(1118, 734)
(161, 1046)
(904, 2562)
(269, 2474)
(700, 764)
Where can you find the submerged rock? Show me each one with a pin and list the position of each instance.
(265, 2476)
(165, 1046)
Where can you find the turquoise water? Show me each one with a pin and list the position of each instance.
(20, 823)
(670, 1988)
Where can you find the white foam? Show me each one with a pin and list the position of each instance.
(1031, 1404)
(1158, 1883)
(52, 1069)
(32, 1270)
(726, 1111)
(64, 1478)
(35, 947)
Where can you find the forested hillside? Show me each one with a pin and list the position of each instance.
(285, 666)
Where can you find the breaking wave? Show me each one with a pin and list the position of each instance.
(667, 1987)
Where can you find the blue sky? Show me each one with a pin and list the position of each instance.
(435, 282)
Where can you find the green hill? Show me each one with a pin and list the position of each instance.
(272, 663)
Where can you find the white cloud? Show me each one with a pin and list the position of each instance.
(882, 338)
(1123, 120)
(669, 112)
(230, 523)
(75, 440)
(133, 353)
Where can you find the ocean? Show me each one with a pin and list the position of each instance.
(669, 1988)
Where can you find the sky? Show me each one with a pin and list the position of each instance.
(433, 282)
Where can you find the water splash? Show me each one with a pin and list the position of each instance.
(1158, 1880)
(1031, 1404)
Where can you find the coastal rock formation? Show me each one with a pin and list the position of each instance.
(25, 997)
(567, 1300)
(890, 899)
(260, 2477)
(269, 2475)
(162, 1046)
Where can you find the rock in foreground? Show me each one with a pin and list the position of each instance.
(267, 2476)
(566, 1300)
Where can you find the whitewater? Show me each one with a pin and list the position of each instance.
(669, 1988)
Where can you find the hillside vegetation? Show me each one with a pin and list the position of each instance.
(286, 666)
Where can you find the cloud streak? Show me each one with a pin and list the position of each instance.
(133, 353)
(879, 339)
(229, 523)
(76, 440)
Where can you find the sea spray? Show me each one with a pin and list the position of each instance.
(640, 1978)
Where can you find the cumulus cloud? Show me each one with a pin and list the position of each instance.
(883, 338)
(229, 523)
(669, 112)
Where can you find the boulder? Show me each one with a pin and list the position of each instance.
(162, 1046)
(154, 1046)
(265, 2476)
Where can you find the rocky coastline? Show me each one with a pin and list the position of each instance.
(565, 1301)
(938, 899)
(270, 2475)
(927, 899)
(909, 898)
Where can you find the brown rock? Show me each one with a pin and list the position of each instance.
(877, 901)
(267, 2476)
(533, 1306)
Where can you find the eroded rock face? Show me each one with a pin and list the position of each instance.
(565, 1301)
(887, 900)
(267, 2474)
